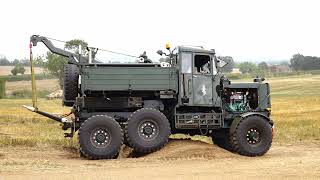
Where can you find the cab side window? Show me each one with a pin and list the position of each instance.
(202, 64)
(186, 63)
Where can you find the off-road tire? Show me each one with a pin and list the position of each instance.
(124, 130)
(70, 84)
(221, 138)
(240, 140)
(138, 140)
(90, 147)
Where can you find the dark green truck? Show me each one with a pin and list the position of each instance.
(141, 104)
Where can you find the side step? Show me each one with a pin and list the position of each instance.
(197, 120)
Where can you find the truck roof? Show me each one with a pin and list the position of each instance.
(196, 49)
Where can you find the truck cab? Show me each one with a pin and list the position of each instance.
(198, 77)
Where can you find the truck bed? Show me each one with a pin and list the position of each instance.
(124, 78)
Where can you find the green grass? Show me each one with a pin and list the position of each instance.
(19, 127)
(27, 77)
(25, 93)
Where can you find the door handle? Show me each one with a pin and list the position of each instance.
(189, 88)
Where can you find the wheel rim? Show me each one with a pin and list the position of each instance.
(148, 129)
(100, 138)
(253, 136)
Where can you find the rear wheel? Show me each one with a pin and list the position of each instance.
(147, 130)
(251, 136)
(100, 137)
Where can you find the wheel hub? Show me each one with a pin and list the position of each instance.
(253, 136)
(148, 130)
(100, 138)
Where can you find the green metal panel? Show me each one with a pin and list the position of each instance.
(125, 78)
(202, 89)
(264, 96)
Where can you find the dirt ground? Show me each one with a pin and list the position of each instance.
(180, 159)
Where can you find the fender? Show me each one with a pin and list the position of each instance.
(246, 114)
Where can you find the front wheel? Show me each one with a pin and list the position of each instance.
(251, 136)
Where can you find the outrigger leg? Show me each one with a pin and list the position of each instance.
(66, 123)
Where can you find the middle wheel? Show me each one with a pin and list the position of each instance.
(147, 130)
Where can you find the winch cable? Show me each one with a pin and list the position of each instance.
(113, 52)
(33, 82)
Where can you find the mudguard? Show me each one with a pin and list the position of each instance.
(246, 114)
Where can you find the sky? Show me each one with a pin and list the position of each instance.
(247, 30)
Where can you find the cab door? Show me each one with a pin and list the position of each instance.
(202, 80)
(185, 88)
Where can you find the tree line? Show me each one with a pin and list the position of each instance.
(244, 67)
(298, 62)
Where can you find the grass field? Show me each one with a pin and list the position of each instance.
(42, 85)
(6, 70)
(295, 110)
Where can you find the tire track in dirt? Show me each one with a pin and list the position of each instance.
(182, 149)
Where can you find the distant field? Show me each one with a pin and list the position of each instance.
(6, 70)
(47, 84)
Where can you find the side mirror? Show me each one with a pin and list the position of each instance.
(221, 63)
(160, 52)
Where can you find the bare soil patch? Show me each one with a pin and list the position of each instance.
(180, 159)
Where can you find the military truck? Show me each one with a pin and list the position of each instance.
(141, 104)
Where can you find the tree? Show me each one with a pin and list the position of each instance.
(39, 61)
(18, 68)
(14, 71)
(73, 46)
(15, 61)
(230, 63)
(247, 67)
(55, 63)
(25, 62)
(4, 61)
(298, 62)
(263, 66)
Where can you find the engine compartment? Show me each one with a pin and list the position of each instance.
(241, 100)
